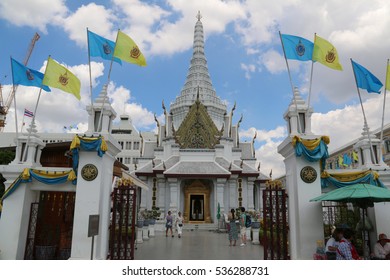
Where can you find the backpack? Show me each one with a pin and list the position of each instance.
(248, 221)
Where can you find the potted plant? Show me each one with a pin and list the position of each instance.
(255, 216)
(140, 219)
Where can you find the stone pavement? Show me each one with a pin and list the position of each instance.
(196, 245)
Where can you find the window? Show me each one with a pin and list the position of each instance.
(121, 144)
(128, 145)
(136, 145)
(120, 160)
(127, 160)
(135, 160)
(302, 123)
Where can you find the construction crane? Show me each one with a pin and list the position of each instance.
(4, 106)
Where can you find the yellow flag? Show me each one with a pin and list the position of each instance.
(127, 50)
(58, 76)
(326, 54)
(388, 76)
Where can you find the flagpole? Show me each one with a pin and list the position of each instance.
(364, 114)
(291, 83)
(21, 128)
(90, 72)
(33, 119)
(108, 81)
(311, 80)
(14, 91)
(384, 104)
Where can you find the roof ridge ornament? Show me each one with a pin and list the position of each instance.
(198, 16)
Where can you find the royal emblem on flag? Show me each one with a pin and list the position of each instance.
(331, 56)
(300, 48)
(63, 79)
(106, 48)
(29, 75)
(135, 52)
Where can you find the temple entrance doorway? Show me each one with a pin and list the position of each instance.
(197, 207)
(197, 201)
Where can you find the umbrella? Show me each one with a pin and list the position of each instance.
(362, 194)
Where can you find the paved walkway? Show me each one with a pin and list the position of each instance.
(196, 245)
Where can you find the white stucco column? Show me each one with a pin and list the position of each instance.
(173, 186)
(94, 198)
(14, 222)
(250, 197)
(233, 193)
(305, 217)
(161, 194)
(221, 182)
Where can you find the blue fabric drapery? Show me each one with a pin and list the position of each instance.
(370, 178)
(86, 144)
(313, 155)
(50, 178)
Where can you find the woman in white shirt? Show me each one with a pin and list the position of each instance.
(179, 224)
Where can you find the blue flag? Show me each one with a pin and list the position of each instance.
(22, 75)
(297, 48)
(100, 46)
(365, 79)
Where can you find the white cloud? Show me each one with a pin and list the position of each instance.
(248, 69)
(96, 17)
(120, 100)
(37, 13)
(267, 142)
(273, 61)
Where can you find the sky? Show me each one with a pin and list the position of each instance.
(243, 50)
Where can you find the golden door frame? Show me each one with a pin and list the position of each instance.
(197, 188)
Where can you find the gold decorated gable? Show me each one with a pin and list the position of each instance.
(197, 129)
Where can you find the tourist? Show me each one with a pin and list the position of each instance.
(232, 228)
(333, 243)
(346, 250)
(382, 248)
(169, 223)
(179, 224)
(243, 227)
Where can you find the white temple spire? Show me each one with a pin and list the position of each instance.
(198, 76)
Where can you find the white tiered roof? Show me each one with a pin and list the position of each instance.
(198, 76)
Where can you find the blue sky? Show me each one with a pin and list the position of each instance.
(243, 51)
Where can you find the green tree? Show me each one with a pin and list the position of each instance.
(6, 156)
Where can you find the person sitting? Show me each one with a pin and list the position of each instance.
(333, 243)
(382, 248)
(346, 250)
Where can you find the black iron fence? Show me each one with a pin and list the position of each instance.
(122, 228)
(274, 229)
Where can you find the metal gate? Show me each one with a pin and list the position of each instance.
(275, 226)
(50, 229)
(122, 228)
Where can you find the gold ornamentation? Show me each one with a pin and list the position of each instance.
(308, 174)
(274, 184)
(197, 130)
(89, 172)
(331, 56)
(197, 188)
(63, 79)
(135, 52)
